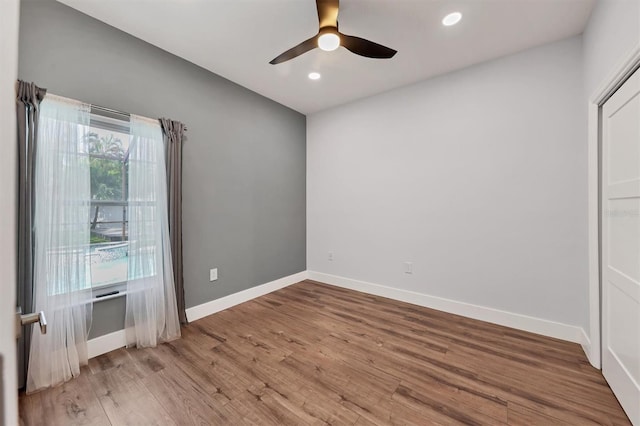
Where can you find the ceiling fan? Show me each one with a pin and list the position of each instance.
(329, 38)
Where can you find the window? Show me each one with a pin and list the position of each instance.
(100, 223)
(107, 142)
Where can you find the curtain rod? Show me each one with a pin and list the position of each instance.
(98, 107)
(109, 110)
(124, 114)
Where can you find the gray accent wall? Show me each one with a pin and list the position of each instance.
(244, 160)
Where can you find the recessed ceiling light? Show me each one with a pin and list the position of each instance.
(314, 75)
(451, 19)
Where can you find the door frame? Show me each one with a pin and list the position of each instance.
(631, 62)
(9, 22)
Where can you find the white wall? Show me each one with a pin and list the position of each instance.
(8, 75)
(477, 177)
(612, 32)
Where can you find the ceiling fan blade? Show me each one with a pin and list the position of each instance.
(328, 12)
(298, 50)
(367, 48)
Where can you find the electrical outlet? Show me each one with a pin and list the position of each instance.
(213, 274)
(330, 256)
(408, 268)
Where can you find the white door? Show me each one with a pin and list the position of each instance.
(621, 245)
(8, 161)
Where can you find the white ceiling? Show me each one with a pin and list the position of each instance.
(237, 38)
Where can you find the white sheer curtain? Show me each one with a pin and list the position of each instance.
(151, 313)
(61, 283)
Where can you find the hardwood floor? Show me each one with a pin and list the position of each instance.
(313, 354)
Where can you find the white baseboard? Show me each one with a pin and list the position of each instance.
(509, 319)
(226, 302)
(116, 340)
(107, 343)
(585, 342)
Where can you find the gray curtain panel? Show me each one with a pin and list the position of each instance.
(174, 133)
(28, 101)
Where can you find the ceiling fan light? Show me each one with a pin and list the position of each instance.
(451, 19)
(329, 41)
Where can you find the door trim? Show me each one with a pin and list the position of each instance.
(9, 23)
(631, 62)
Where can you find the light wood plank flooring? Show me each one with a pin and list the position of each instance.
(313, 354)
